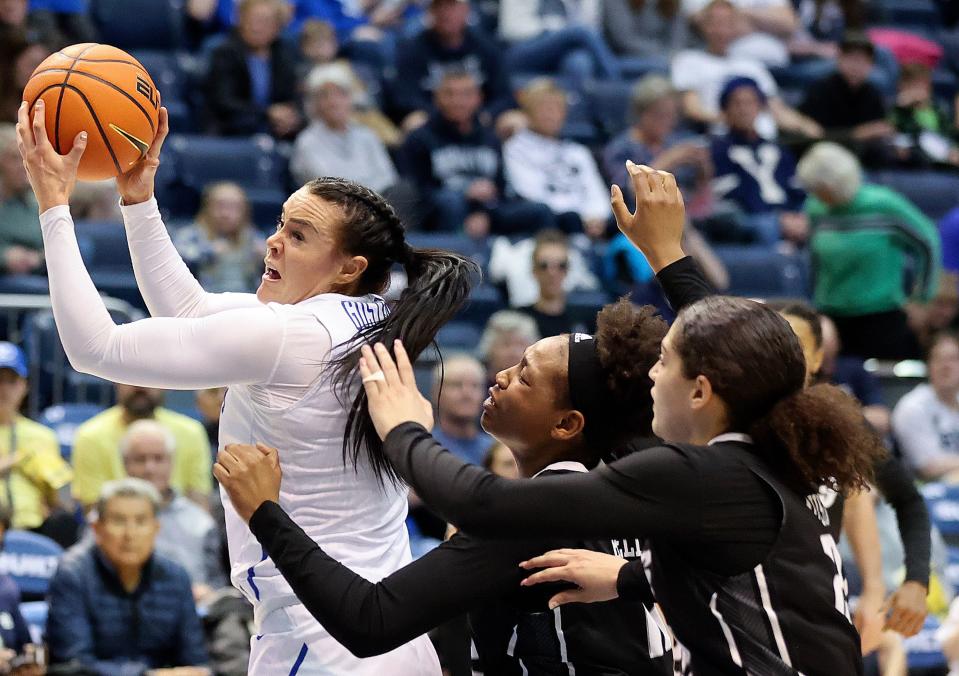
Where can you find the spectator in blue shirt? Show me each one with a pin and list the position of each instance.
(459, 388)
(756, 176)
(118, 608)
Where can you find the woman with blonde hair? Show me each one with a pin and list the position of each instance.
(221, 246)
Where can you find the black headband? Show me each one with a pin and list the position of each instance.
(588, 393)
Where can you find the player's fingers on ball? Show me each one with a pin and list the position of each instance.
(387, 364)
(79, 145)
(23, 127)
(403, 364)
(38, 122)
(163, 128)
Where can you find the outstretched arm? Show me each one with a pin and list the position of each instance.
(166, 284)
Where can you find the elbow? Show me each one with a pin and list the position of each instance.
(363, 644)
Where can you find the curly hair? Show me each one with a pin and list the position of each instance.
(755, 365)
(627, 343)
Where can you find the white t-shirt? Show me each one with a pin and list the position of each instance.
(706, 74)
(272, 357)
(558, 173)
(925, 427)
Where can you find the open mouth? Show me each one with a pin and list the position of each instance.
(271, 274)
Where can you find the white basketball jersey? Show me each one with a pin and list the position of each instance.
(356, 520)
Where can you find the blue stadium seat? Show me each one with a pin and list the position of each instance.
(759, 273)
(31, 560)
(108, 261)
(144, 24)
(35, 615)
(459, 336)
(609, 103)
(934, 192)
(64, 419)
(484, 301)
(257, 163)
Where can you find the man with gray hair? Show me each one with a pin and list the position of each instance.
(21, 243)
(117, 607)
(507, 335)
(188, 534)
(459, 388)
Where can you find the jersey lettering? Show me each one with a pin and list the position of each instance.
(839, 584)
(627, 549)
(364, 315)
(762, 167)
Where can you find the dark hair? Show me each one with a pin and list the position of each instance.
(439, 284)
(857, 41)
(803, 311)
(627, 343)
(753, 360)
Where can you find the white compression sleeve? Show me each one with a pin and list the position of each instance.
(166, 284)
(230, 347)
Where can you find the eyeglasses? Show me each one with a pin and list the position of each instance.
(558, 265)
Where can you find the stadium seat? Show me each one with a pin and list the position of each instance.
(35, 615)
(934, 192)
(108, 261)
(171, 72)
(608, 102)
(256, 163)
(31, 560)
(757, 272)
(484, 301)
(459, 336)
(144, 24)
(64, 419)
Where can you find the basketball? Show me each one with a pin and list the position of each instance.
(103, 91)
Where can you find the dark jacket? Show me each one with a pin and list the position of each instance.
(422, 62)
(95, 623)
(229, 89)
(742, 174)
(437, 156)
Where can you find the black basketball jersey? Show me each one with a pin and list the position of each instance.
(787, 616)
(520, 635)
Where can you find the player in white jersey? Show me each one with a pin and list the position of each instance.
(288, 354)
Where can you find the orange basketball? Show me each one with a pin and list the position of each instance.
(103, 91)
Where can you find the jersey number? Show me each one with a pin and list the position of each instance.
(839, 584)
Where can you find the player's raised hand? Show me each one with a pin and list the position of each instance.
(656, 226)
(251, 475)
(52, 175)
(136, 184)
(594, 573)
(391, 389)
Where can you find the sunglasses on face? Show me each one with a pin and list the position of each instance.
(557, 265)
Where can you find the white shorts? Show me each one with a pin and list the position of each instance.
(292, 643)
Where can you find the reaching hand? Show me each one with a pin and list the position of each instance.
(907, 609)
(135, 185)
(391, 389)
(250, 475)
(595, 573)
(52, 175)
(868, 619)
(656, 227)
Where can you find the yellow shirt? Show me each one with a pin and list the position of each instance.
(96, 453)
(39, 472)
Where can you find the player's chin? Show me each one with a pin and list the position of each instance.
(266, 293)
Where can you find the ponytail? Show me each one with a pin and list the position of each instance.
(822, 431)
(439, 284)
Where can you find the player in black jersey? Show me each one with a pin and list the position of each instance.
(594, 394)
(747, 573)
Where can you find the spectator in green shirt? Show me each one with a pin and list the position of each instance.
(21, 244)
(865, 239)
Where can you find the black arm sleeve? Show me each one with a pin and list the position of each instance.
(683, 283)
(632, 585)
(371, 619)
(657, 491)
(898, 486)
